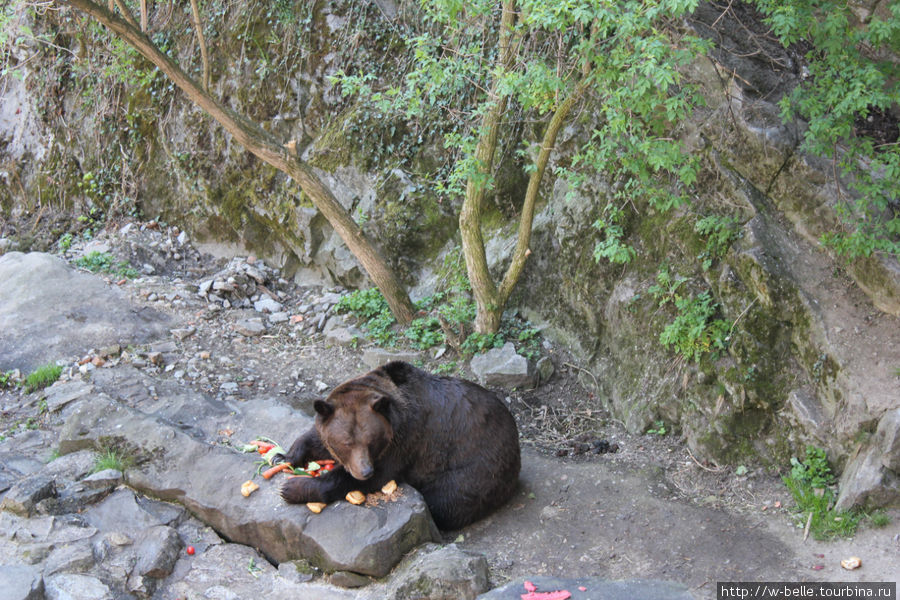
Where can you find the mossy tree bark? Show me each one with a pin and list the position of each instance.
(267, 148)
(490, 298)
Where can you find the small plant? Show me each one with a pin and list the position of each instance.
(104, 262)
(719, 232)
(612, 246)
(666, 287)
(425, 333)
(879, 519)
(252, 568)
(659, 428)
(694, 332)
(42, 377)
(809, 484)
(6, 379)
(370, 307)
(65, 242)
(445, 368)
(813, 470)
(480, 342)
(110, 459)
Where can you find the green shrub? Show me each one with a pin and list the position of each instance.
(425, 333)
(719, 233)
(370, 307)
(104, 262)
(809, 483)
(694, 332)
(848, 82)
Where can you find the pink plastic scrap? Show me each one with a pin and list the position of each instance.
(533, 594)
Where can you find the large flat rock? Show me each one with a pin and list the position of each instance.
(205, 478)
(50, 311)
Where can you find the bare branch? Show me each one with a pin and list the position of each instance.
(198, 27)
(127, 15)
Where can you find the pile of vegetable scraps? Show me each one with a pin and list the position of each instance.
(271, 451)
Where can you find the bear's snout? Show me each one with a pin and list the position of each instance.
(361, 465)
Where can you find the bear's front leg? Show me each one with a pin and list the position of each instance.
(327, 488)
(307, 447)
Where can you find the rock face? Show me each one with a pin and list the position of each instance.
(21, 582)
(380, 535)
(872, 477)
(40, 290)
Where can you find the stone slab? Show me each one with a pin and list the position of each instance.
(206, 480)
(49, 311)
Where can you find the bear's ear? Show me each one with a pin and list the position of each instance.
(398, 371)
(380, 404)
(324, 408)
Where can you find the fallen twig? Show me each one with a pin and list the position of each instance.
(699, 464)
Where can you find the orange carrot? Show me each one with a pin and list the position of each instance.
(268, 473)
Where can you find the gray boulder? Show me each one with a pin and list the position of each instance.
(439, 573)
(122, 512)
(249, 576)
(375, 357)
(872, 477)
(21, 582)
(250, 327)
(502, 367)
(157, 551)
(49, 311)
(77, 557)
(22, 497)
(889, 432)
(70, 586)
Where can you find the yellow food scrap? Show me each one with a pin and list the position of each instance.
(316, 507)
(390, 487)
(247, 488)
(356, 497)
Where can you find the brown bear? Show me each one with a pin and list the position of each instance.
(451, 439)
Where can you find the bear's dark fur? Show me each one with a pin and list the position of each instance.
(451, 439)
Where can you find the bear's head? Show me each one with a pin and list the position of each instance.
(354, 424)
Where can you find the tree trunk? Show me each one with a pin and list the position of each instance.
(522, 251)
(488, 308)
(267, 148)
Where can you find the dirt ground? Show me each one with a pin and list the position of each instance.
(648, 510)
